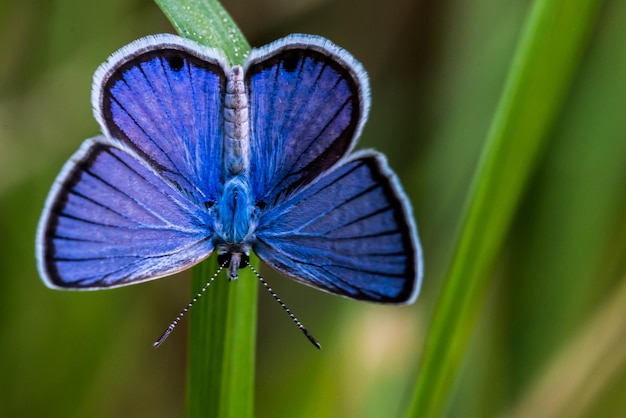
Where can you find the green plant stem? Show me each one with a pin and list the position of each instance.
(222, 336)
(221, 345)
(206, 22)
(546, 60)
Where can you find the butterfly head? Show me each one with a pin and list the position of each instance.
(233, 256)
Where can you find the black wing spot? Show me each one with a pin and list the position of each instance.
(291, 60)
(176, 62)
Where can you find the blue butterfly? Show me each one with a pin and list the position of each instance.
(198, 156)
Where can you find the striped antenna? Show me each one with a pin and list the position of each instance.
(282, 304)
(182, 313)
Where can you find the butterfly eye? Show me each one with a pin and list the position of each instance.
(226, 257)
(261, 205)
(209, 204)
(176, 62)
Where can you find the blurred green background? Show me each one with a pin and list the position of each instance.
(552, 336)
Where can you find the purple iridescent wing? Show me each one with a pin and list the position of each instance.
(162, 96)
(134, 205)
(111, 220)
(340, 224)
(308, 102)
(350, 232)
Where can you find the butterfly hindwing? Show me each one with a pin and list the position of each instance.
(111, 220)
(350, 233)
(163, 97)
(308, 102)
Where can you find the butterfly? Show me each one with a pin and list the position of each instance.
(197, 156)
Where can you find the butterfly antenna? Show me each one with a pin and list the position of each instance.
(282, 304)
(182, 313)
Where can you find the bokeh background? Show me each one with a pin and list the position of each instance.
(553, 328)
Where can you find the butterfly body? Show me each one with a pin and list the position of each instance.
(235, 211)
(199, 156)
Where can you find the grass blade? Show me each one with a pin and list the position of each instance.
(546, 60)
(593, 359)
(206, 22)
(220, 365)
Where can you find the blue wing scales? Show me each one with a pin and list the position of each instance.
(350, 233)
(110, 220)
(308, 102)
(137, 206)
(162, 96)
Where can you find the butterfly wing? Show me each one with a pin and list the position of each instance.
(350, 232)
(135, 205)
(339, 224)
(111, 220)
(162, 97)
(308, 102)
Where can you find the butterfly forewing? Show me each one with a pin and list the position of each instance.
(111, 221)
(350, 232)
(164, 99)
(308, 101)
